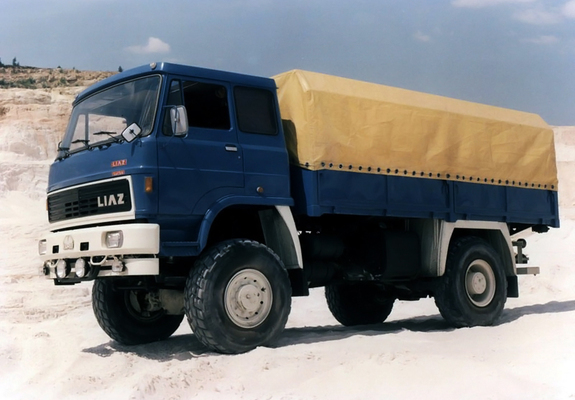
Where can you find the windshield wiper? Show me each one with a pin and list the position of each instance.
(85, 141)
(112, 135)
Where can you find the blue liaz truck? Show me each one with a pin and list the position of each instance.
(183, 191)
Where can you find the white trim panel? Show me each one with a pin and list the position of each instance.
(138, 239)
(287, 216)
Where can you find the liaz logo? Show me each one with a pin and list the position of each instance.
(111, 200)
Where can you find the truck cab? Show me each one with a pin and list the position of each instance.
(124, 175)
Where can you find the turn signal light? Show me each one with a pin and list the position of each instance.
(149, 184)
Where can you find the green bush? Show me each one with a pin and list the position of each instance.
(28, 83)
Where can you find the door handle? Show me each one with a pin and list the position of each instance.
(231, 148)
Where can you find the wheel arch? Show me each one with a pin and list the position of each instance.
(232, 222)
(227, 209)
(281, 235)
(495, 234)
(273, 226)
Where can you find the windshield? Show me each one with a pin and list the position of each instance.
(102, 117)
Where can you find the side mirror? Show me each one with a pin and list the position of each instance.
(131, 132)
(179, 120)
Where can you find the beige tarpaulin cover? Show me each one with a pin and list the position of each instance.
(339, 123)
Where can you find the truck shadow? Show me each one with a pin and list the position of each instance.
(180, 348)
(553, 307)
(431, 323)
(320, 334)
(186, 347)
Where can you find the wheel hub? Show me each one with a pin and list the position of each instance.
(480, 283)
(248, 298)
(476, 283)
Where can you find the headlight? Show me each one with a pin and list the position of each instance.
(62, 269)
(114, 239)
(42, 247)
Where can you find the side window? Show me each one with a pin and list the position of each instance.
(175, 95)
(206, 105)
(174, 99)
(255, 110)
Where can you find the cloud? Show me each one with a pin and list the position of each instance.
(546, 39)
(538, 17)
(420, 36)
(486, 3)
(568, 9)
(154, 45)
(528, 11)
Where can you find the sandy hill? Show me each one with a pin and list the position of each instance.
(44, 78)
(35, 104)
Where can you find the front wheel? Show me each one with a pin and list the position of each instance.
(473, 290)
(237, 297)
(128, 316)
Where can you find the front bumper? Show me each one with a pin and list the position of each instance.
(132, 251)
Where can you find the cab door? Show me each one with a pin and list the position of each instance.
(201, 168)
(266, 165)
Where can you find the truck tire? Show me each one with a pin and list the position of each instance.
(121, 314)
(358, 303)
(473, 290)
(237, 297)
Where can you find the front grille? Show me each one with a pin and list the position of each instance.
(101, 198)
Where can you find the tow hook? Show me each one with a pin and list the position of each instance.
(521, 258)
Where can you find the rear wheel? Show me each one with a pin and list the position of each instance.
(358, 303)
(131, 316)
(473, 289)
(238, 297)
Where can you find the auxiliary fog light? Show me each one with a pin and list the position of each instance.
(81, 268)
(114, 239)
(44, 270)
(42, 247)
(62, 269)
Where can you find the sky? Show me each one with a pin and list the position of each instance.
(517, 54)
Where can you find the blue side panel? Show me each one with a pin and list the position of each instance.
(429, 198)
(473, 199)
(343, 192)
(505, 203)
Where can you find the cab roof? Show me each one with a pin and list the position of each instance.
(164, 68)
